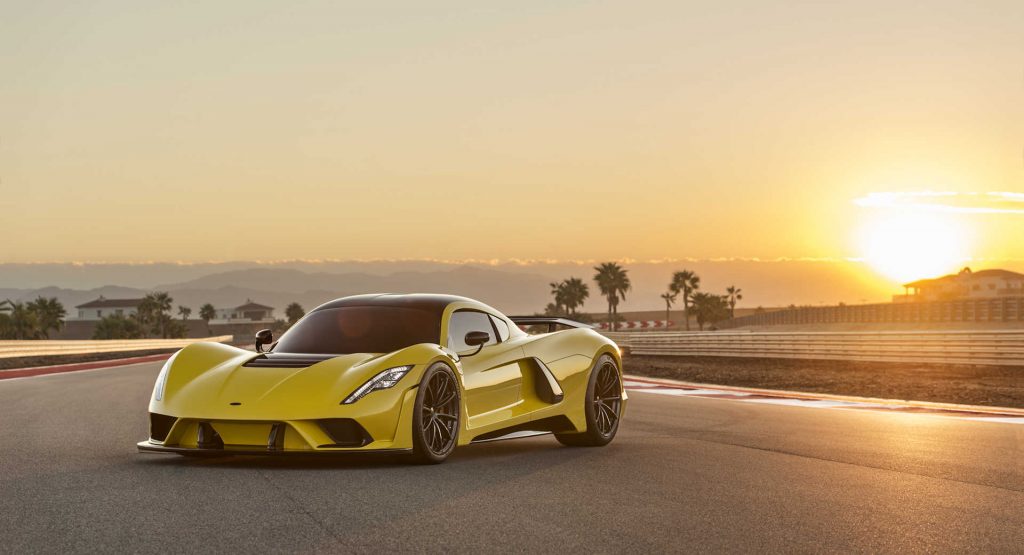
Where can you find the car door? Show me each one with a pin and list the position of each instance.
(493, 376)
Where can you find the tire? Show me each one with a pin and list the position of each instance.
(437, 415)
(603, 406)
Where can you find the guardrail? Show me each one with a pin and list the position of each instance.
(624, 339)
(995, 309)
(621, 338)
(10, 349)
(951, 347)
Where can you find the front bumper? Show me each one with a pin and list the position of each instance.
(363, 428)
(229, 450)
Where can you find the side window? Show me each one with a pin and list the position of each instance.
(502, 328)
(463, 322)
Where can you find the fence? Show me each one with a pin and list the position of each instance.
(621, 338)
(961, 347)
(10, 349)
(999, 309)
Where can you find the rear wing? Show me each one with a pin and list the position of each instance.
(552, 322)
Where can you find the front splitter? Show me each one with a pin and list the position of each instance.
(148, 447)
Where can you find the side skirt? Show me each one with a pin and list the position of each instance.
(552, 424)
(512, 435)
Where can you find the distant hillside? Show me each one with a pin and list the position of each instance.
(72, 297)
(510, 292)
(506, 291)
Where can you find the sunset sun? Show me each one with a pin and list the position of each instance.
(912, 245)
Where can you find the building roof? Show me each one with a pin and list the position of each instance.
(111, 303)
(249, 305)
(993, 273)
(1005, 274)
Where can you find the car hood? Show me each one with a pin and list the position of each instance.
(221, 381)
(262, 378)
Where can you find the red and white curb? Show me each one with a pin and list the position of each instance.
(638, 325)
(79, 366)
(817, 401)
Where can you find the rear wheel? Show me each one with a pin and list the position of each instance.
(603, 406)
(435, 422)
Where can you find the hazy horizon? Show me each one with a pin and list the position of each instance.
(513, 286)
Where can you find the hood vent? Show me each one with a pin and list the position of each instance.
(286, 360)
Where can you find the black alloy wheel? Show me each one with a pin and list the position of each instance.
(607, 399)
(436, 420)
(603, 406)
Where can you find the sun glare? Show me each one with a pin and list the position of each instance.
(911, 245)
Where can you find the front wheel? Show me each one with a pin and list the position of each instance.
(435, 422)
(603, 406)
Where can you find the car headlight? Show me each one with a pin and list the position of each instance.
(384, 380)
(161, 379)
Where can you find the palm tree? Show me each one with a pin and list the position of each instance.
(294, 313)
(163, 301)
(669, 298)
(710, 308)
(5, 319)
(184, 312)
(552, 310)
(49, 313)
(613, 282)
(574, 292)
(116, 326)
(23, 322)
(734, 294)
(685, 282)
(207, 313)
(154, 310)
(558, 292)
(143, 315)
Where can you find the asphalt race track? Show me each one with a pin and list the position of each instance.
(684, 474)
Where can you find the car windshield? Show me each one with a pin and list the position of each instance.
(361, 329)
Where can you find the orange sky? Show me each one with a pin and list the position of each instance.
(566, 130)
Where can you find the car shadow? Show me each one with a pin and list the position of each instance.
(546, 448)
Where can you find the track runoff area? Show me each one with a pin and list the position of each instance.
(693, 468)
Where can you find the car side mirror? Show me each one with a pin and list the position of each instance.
(477, 338)
(263, 337)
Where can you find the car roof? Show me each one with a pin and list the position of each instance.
(422, 301)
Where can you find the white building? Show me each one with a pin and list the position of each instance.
(965, 285)
(245, 314)
(103, 307)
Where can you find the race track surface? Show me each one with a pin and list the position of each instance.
(685, 474)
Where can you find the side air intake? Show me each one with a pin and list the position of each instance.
(160, 426)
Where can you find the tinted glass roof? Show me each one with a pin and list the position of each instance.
(422, 301)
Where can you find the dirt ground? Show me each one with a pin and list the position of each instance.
(29, 362)
(1000, 386)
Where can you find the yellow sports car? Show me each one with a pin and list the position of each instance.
(416, 374)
